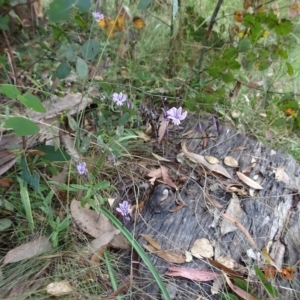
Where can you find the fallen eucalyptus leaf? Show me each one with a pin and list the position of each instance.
(212, 160)
(231, 162)
(202, 248)
(249, 181)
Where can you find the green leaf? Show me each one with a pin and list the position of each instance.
(284, 27)
(71, 54)
(143, 4)
(90, 49)
(234, 65)
(72, 123)
(53, 154)
(4, 22)
(21, 126)
(5, 223)
(63, 70)
(124, 119)
(59, 10)
(82, 68)
(228, 296)
(33, 180)
(290, 69)
(227, 77)
(9, 90)
(230, 53)
(26, 203)
(268, 286)
(81, 22)
(244, 45)
(32, 102)
(83, 5)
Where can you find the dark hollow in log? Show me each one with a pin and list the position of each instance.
(271, 216)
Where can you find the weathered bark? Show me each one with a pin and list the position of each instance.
(271, 216)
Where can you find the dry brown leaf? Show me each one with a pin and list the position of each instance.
(234, 210)
(270, 260)
(281, 175)
(59, 288)
(192, 274)
(160, 158)
(241, 227)
(294, 9)
(227, 261)
(231, 188)
(249, 181)
(5, 182)
(90, 221)
(202, 248)
(169, 256)
(28, 250)
(196, 158)
(212, 160)
(238, 290)
(220, 266)
(231, 161)
(143, 136)
(162, 129)
(162, 172)
(236, 90)
(151, 241)
(103, 239)
(239, 148)
(119, 242)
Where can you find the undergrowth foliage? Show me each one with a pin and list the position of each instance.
(140, 65)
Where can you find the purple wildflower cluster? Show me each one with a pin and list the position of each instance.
(119, 99)
(97, 16)
(176, 115)
(124, 209)
(81, 168)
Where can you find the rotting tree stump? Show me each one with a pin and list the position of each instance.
(271, 215)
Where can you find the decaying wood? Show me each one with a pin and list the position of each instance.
(271, 216)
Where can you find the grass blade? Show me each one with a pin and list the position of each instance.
(137, 247)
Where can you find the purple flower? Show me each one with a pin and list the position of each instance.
(81, 168)
(124, 209)
(119, 98)
(97, 16)
(176, 115)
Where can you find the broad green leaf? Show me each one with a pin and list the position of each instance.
(59, 10)
(144, 4)
(53, 154)
(21, 126)
(4, 22)
(5, 223)
(71, 54)
(290, 69)
(244, 45)
(230, 53)
(234, 65)
(33, 180)
(82, 68)
(90, 49)
(124, 119)
(268, 286)
(83, 5)
(284, 27)
(227, 77)
(81, 22)
(63, 70)
(32, 102)
(85, 144)
(72, 123)
(228, 296)
(9, 90)
(26, 203)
